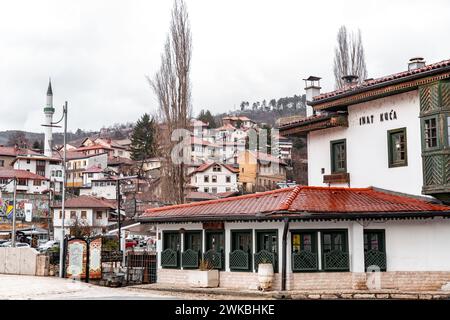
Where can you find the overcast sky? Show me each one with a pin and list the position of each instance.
(99, 52)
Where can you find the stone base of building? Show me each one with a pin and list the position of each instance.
(391, 280)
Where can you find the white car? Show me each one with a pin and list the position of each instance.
(18, 244)
(49, 244)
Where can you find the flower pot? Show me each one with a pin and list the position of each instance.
(204, 279)
(265, 275)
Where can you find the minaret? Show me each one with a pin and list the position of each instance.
(48, 111)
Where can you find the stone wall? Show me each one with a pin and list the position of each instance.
(24, 261)
(308, 281)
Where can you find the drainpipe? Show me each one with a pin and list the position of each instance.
(283, 254)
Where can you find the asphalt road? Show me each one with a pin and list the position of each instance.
(16, 287)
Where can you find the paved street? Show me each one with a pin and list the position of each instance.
(52, 288)
(29, 287)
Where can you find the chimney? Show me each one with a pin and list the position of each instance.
(350, 80)
(416, 63)
(312, 89)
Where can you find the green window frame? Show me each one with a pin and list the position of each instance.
(171, 244)
(304, 251)
(430, 133)
(397, 148)
(215, 248)
(266, 247)
(447, 126)
(375, 249)
(193, 240)
(241, 250)
(193, 247)
(335, 255)
(338, 151)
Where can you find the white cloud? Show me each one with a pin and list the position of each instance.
(98, 52)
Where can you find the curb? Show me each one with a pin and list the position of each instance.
(279, 295)
(209, 291)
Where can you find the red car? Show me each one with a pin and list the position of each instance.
(130, 243)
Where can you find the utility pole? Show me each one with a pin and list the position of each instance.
(13, 233)
(61, 244)
(63, 202)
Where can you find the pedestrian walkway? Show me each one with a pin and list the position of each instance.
(31, 287)
(300, 295)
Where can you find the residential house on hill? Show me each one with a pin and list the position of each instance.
(27, 182)
(8, 155)
(260, 171)
(215, 178)
(92, 212)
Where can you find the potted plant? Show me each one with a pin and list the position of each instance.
(205, 276)
(265, 274)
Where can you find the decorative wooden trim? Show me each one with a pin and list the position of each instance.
(339, 120)
(377, 93)
(337, 178)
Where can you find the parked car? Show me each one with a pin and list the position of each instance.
(18, 244)
(22, 245)
(129, 243)
(6, 244)
(2, 241)
(49, 244)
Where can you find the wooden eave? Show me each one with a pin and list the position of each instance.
(331, 121)
(384, 89)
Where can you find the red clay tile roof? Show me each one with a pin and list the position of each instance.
(297, 202)
(93, 169)
(93, 147)
(13, 151)
(197, 195)
(20, 174)
(199, 141)
(88, 202)
(226, 127)
(205, 166)
(369, 83)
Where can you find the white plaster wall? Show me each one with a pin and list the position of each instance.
(417, 245)
(367, 148)
(108, 192)
(221, 184)
(411, 245)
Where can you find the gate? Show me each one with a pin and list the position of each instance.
(141, 267)
(82, 258)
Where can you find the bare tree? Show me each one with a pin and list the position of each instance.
(349, 57)
(172, 87)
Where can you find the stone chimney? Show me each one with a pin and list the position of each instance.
(312, 89)
(416, 63)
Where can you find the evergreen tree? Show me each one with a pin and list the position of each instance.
(208, 118)
(36, 145)
(143, 141)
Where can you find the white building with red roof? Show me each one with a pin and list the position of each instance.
(316, 238)
(93, 212)
(49, 167)
(390, 132)
(215, 178)
(27, 182)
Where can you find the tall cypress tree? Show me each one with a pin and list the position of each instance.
(143, 140)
